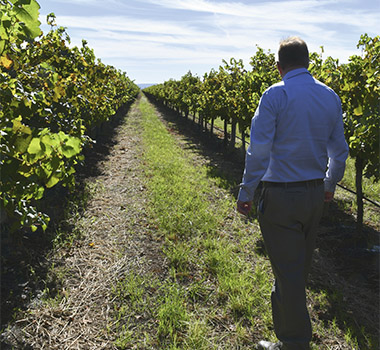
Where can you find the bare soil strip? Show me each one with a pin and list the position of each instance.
(114, 218)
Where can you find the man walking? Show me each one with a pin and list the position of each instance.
(298, 151)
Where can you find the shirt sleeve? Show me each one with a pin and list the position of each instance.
(337, 151)
(263, 128)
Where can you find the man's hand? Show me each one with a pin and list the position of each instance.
(244, 207)
(329, 196)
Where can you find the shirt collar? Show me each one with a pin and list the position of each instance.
(295, 72)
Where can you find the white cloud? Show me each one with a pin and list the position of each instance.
(121, 23)
(204, 32)
(308, 11)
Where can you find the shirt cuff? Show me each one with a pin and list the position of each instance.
(245, 195)
(329, 186)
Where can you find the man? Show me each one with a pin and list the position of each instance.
(296, 135)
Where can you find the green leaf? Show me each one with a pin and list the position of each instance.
(68, 151)
(27, 11)
(358, 110)
(22, 143)
(52, 166)
(54, 179)
(71, 147)
(2, 43)
(18, 126)
(35, 146)
(49, 142)
(36, 150)
(39, 193)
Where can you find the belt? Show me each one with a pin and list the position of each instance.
(307, 183)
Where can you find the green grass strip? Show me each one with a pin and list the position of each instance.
(191, 217)
(179, 191)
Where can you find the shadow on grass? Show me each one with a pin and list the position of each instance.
(223, 163)
(25, 262)
(345, 269)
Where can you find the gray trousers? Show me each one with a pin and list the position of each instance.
(288, 218)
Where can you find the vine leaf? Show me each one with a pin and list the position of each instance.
(26, 11)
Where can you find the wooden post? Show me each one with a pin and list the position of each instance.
(359, 192)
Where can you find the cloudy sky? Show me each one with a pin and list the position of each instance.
(156, 40)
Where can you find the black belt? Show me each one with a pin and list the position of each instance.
(307, 183)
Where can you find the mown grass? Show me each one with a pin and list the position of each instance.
(216, 292)
(371, 189)
(190, 216)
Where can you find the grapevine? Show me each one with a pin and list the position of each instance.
(53, 97)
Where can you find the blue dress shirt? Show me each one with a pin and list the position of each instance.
(296, 135)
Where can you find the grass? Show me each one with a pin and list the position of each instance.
(216, 292)
(209, 295)
(173, 317)
(347, 201)
(371, 189)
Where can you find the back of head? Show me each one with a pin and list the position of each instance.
(293, 52)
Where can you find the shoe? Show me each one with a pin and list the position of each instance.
(267, 345)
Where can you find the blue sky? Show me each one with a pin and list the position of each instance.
(156, 40)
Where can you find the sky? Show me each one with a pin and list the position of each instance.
(157, 40)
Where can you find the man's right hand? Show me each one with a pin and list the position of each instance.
(244, 207)
(329, 196)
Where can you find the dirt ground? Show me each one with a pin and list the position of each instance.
(91, 263)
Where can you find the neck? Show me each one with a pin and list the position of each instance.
(283, 72)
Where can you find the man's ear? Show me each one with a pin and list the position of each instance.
(279, 68)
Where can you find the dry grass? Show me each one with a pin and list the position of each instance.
(81, 314)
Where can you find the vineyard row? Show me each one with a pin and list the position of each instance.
(53, 98)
